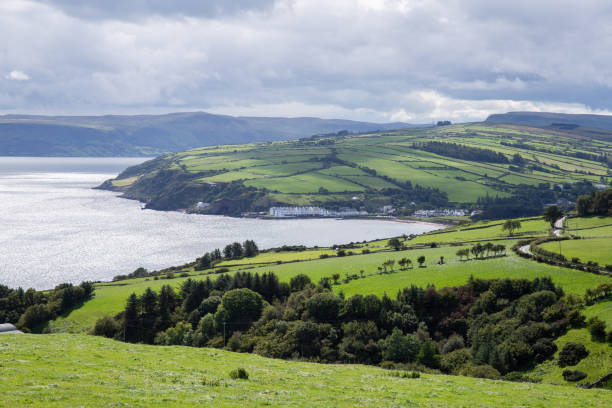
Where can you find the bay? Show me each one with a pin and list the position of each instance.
(55, 228)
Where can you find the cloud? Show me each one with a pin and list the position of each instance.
(135, 9)
(17, 76)
(361, 59)
(441, 107)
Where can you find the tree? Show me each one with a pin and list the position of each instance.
(241, 305)
(511, 226)
(324, 306)
(395, 243)
(400, 348)
(421, 260)
(488, 247)
(131, 318)
(236, 250)
(597, 328)
(552, 214)
(299, 282)
(571, 354)
(335, 277)
(463, 252)
(227, 251)
(250, 248)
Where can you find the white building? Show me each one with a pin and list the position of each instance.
(283, 212)
(446, 212)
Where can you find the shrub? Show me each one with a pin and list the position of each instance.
(571, 354)
(405, 374)
(239, 374)
(106, 326)
(455, 342)
(573, 375)
(576, 319)
(543, 348)
(299, 282)
(455, 361)
(398, 347)
(597, 328)
(481, 371)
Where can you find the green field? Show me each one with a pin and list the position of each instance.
(336, 169)
(591, 249)
(110, 297)
(77, 370)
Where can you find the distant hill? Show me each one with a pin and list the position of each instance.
(407, 169)
(142, 135)
(586, 125)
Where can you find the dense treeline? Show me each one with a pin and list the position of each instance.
(598, 203)
(528, 201)
(484, 328)
(29, 309)
(462, 152)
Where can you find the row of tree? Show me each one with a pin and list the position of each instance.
(480, 251)
(235, 250)
(501, 325)
(462, 152)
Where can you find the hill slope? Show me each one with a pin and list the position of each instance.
(68, 370)
(371, 170)
(112, 135)
(589, 125)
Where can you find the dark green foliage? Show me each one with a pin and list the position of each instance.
(571, 354)
(299, 282)
(481, 371)
(399, 347)
(239, 374)
(462, 152)
(241, 305)
(324, 306)
(598, 203)
(428, 354)
(455, 361)
(106, 326)
(597, 328)
(552, 214)
(454, 342)
(574, 375)
(484, 328)
(395, 243)
(31, 309)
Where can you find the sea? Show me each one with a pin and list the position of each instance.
(55, 228)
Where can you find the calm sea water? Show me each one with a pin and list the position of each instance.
(55, 228)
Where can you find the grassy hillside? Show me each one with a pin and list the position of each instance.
(110, 297)
(69, 370)
(148, 135)
(368, 169)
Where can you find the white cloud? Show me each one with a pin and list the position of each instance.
(433, 106)
(17, 76)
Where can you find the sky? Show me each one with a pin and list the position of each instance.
(374, 60)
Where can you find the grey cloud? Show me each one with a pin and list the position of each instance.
(134, 9)
(363, 59)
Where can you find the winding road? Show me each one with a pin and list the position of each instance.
(557, 231)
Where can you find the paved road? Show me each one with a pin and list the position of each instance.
(559, 227)
(557, 231)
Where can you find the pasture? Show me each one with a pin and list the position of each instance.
(76, 370)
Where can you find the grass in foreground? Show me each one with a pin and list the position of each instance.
(77, 370)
